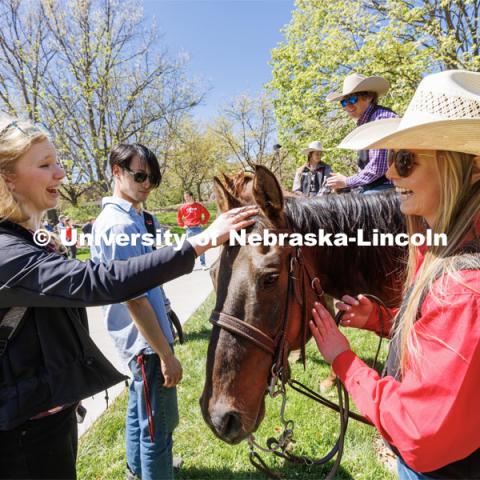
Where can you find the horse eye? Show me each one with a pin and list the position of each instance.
(270, 279)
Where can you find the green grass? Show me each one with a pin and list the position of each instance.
(102, 455)
(83, 253)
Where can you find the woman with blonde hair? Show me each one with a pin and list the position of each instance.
(48, 362)
(426, 403)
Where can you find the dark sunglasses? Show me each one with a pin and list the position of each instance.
(352, 100)
(140, 176)
(403, 160)
(35, 128)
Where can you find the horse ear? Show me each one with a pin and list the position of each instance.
(268, 193)
(229, 183)
(225, 200)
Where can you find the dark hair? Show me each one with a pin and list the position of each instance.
(188, 192)
(372, 95)
(309, 156)
(122, 155)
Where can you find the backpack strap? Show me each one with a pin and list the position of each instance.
(150, 225)
(470, 248)
(9, 325)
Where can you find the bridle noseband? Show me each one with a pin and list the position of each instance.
(304, 288)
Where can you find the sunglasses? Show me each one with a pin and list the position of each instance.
(403, 160)
(352, 100)
(35, 128)
(140, 176)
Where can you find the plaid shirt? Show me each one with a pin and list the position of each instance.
(377, 159)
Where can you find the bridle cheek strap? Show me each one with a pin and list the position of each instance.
(245, 330)
(303, 290)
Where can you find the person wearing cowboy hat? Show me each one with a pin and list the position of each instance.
(309, 178)
(358, 99)
(425, 405)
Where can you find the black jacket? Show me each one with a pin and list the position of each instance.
(310, 182)
(52, 360)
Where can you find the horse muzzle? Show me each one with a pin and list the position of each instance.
(229, 424)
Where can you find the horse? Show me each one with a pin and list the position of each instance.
(265, 293)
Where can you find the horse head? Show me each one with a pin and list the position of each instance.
(265, 293)
(251, 284)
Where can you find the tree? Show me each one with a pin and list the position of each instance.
(247, 129)
(103, 80)
(195, 155)
(26, 53)
(401, 40)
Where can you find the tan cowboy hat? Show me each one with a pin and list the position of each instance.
(444, 114)
(356, 82)
(315, 146)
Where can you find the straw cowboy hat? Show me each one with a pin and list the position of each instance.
(356, 82)
(313, 147)
(444, 114)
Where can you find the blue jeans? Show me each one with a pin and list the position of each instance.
(146, 459)
(377, 189)
(406, 473)
(191, 231)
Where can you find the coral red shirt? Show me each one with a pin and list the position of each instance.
(192, 215)
(431, 417)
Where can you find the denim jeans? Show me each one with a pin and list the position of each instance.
(377, 189)
(146, 459)
(406, 473)
(191, 231)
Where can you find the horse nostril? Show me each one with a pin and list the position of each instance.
(231, 425)
(228, 426)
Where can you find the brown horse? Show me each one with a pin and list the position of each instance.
(253, 324)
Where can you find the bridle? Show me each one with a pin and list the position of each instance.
(300, 275)
(304, 288)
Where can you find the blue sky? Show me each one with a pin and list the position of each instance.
(228, 41)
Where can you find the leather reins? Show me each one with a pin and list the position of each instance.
(304, 288)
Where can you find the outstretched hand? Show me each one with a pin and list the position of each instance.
(330, 341)
(356, 311)
(219, 231)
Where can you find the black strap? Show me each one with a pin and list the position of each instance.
(175, 322)
(150, 226)
(9, 325)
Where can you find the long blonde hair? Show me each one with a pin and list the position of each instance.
(458, 210)
(16, 137)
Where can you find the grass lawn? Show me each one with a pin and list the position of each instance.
(101, 450)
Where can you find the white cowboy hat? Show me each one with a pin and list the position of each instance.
(356, 82)
(444, 114)
(313, 147)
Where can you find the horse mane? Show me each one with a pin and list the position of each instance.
(345, 213)
(353, 269)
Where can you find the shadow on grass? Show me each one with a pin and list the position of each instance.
(300, 472)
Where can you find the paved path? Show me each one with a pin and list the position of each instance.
(186, 293)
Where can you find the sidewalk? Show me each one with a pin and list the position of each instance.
(186, 293)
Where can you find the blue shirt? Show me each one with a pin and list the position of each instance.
(119, 217)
